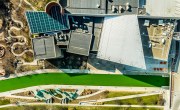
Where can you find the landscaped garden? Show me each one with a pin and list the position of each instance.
(83, 79)
(75, 108)
(147, 100)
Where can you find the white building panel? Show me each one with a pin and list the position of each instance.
(121, 41)
(165, 8)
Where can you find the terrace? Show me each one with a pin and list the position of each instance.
(156, 35)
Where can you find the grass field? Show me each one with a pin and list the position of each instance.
(123, 93)
(83, 79)
(4, 101)
(147, 100)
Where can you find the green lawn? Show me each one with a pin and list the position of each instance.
(83, 79)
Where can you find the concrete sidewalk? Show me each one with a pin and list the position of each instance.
(126, 97)
(110, 88)
(77, 105)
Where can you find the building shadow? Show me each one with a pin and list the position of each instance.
(76, 74)
(157, 81)
(63, 3)
(142, 3)
(147, 51)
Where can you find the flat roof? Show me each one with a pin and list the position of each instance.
(164, 8)
(121, 41)
(79, 43)
(133, 3)
(86, 6)
(97, 29)
(95, 7)
(44, 48)
(158, 35)
(41, 22)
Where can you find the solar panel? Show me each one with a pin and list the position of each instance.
(41, 22)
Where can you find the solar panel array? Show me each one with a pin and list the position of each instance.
(41, 22)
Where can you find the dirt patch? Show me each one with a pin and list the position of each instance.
(26, 68)
(28, 57)
(88, 92)
(18, 49)
(95, 97)
(1, 23)
(27, 94)
(15, 100)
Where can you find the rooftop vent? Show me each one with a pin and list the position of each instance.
(141, 11)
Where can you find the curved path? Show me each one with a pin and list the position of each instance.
(20, 4)
(30, 5)
(20, 36)
(20, 43)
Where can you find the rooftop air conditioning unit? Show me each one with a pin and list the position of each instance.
(120, 9)
(127, 6)
(98, 6)
(141, 11)
(113, 8)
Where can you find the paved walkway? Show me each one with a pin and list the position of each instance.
(31, 73)
(110, 88)
(176, 96)
(77, 105)
(34, 9)
(20, 36)
(90, 95)
(19, 5)
(20, 97)
(126, 97)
